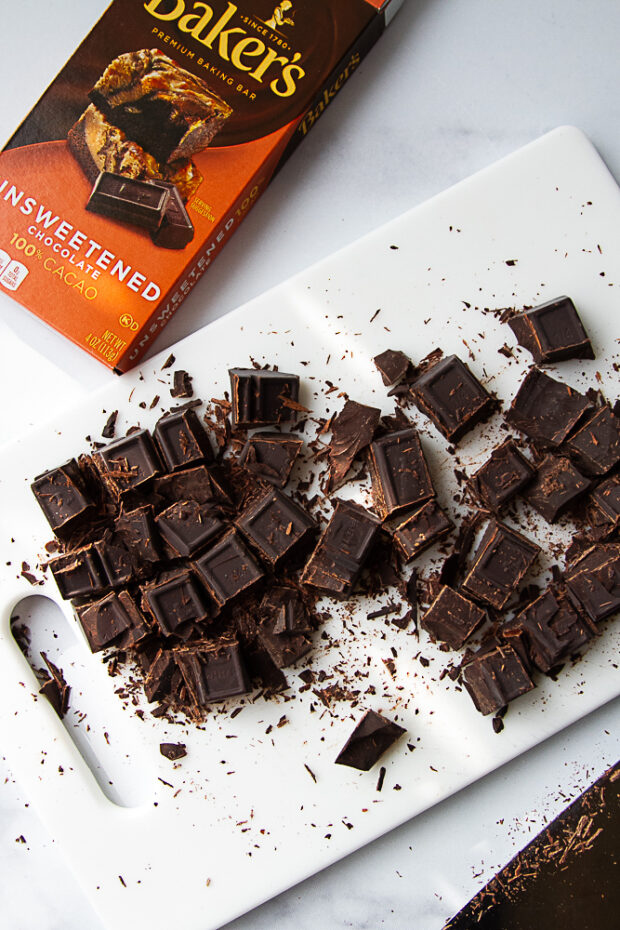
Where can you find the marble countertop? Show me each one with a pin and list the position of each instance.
(451, 87)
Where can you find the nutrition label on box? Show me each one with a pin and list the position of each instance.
(12, 273)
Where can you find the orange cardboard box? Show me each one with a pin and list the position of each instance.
(151, 146)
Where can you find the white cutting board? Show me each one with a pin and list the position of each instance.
(249, 820)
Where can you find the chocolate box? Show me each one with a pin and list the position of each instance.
(151, 146)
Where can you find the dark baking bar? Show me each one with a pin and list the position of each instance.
(188, 526)
(106, 620)
(372, 736)
(276, 526)
(259, 396)
(352, 430)
(552, 332)
(79, 573)
(213, 671)
(283, 629)
(63, 497)
(505, 473)
(556, 486)
(174, 600)
(452, 618)
(129, 200)
(452, 397)
(182, 440)
(594, 581)
(271, 456)
(399, 473)
(228, 569)
(546, 410)
(501, 561)
(129, 462)
(596, 446)
(420, 530)
(494, 676)
(341, 551)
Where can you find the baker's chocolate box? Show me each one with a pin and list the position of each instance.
(151, 146)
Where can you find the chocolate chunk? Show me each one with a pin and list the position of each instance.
(173, 751)
(494, 676)
(352, 430)
(556, 486)
(63, 498)
(176, 230)
(228, 569)
(372, 736)
(552, 332)
(392, 365)
(399, 473)
(182, 384)
(340, 553)
(546, 410)
(596, 446)
(79, 573)
(450, 395)
(175, 599)
(182, 440)
(271, 456)
(501, 561)
(137, 531)
(452, 618)
(159, 676)
(420, 530)
(128, 200)
(110, 427)
(55, 688)
(594, 581)
(551, 628)
(259, 397)
(115, 559)
(105, 620)
(504, 474)
(129, 462)
(139, 628)
(283, 628)
(196, 484)
(607, 499)
(187, 526)
(213, 671)
(276, 526)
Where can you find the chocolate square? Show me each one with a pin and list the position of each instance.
(556, 486)
(452, 618)
(63, 498)
(501, 561)
(104, 621)
(552, 332)
(340, 553)
(159, 676)
(452, 397)
(137, 531)
(128, 200)
(283, 628)
(228, 569)
(505, 473)
(259, 397)
(596, 446)
(129, 462)
(392, 365)
(372, 736)
(174, 600)
(276, 526)
(399, 473)
(213, 671)
(352, 430)
(198, 484)
(78, 573)
(271, 456)
(594, 581)
(116, 560)
(494, 676)
(420, 530)
(182, 440)
(546, 410)
(606, 498)
(187, 526)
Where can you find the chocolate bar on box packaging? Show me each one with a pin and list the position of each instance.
(204, 101)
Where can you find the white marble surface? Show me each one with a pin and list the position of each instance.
(451, 87)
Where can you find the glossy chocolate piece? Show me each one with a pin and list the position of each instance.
(193, 484)
(182, 440)
(79, 573)
(228, 569)
(596, 445)
(128, 463)
(105, 620)
(259, 397)
(594, 581)
(63, 498)
(556, 486)
(400, 476)
(55, 688)
(452, 397)
(173, 751)
(159, 676)
(606, 497)
(352, 430)
(283, 629)
(213, 671)
(137, 531)
(276, 526)
(494, 676)
(176, 229)
(552, 332)
(452, 618)
(500, 564)
(188, 526)
(271, 456)
(420, 530)
(116, 560)
(545, 409)
(340, 553)
(175, 599)
(392, 365)
(502, 476)
(129, 200)
(370, 739)
(551, 629)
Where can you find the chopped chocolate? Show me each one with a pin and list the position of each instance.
(159, 676)
(173, 751)
(55, 688)
(340, 553)
(137, 530)
(115, 559)
(555, 487)
(551, 628)
(352, 430)
(452, 618)
(552, 332)
(196, 484)
(271, 456)
(176, 229)
(175, 599)
(181, 384)
(128, 200)
(78, 573)
(370, 739)
(259, 396)
(392, 365)
(182, 440)
(421, 529)
(228, 569)
(213, 671)
(399, 473)
(63, 498)
(105, 620)
(501, 561)
(276, 526)
(129, 462)
(505, 473)
(283, 628)
(596, 446)
(606, 498)
(452, 397)
(188, 526)
(494, 676)
(594, 581)
(546, 410)
(108, 430)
